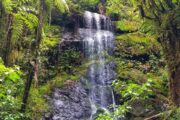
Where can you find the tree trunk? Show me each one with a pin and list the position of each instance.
(167, 23)
(33, 69)
(3, 21)
(8, 40)
(174, 77)
(170, 41)
(27, 87)
(39, 38)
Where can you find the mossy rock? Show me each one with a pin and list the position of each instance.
(136, 46)
(125, 25)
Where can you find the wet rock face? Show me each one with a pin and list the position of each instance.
(70, 103)
(71, 40)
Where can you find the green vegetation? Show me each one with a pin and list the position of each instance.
(142, 76)
(69, 59)
(87, 3)
(11, 87)
(147, 56)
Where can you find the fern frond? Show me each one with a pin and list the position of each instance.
(61, 5)
(20, 20)
(22, 2)
(49, 4)
(17, 28)
(7, 5)
(31, 21)
(65, 5)
(29, 9)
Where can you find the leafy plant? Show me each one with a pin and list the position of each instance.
(61, 5)
(105, 116)
(88, 3)
(175, 115)
(69, 59)
(132, 90)
(11, 86)
(38, 104)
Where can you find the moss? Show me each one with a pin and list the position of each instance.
(125, 25)
(139, 62)
(136, 44)
(129, 70)
(140, 72)
(137, 38)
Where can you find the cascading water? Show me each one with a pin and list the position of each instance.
(98, 43)
(84, 99)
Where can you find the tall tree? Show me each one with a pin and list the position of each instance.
(16, 17)
(166, 16)
(7, 20)
(45, 6)
(34, 64)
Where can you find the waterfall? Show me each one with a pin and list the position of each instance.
(98, 43)
(84, 99)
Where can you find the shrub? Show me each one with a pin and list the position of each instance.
(69, 59)
(11, 86)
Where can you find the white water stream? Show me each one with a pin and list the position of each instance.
(98, 37)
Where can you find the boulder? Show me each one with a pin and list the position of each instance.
(69, 103)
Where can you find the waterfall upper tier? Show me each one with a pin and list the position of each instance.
(97, 21)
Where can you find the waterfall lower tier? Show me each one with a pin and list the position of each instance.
(100, 77)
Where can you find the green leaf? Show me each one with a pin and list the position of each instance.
(13, 76)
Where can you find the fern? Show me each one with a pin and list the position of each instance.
(65, 5)
(25, 16)
(21, 20)
(29, 9)
(49, 4)
(22, 2)
(17, 28)
(61, 5)
(31, 21)
(7, 5)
